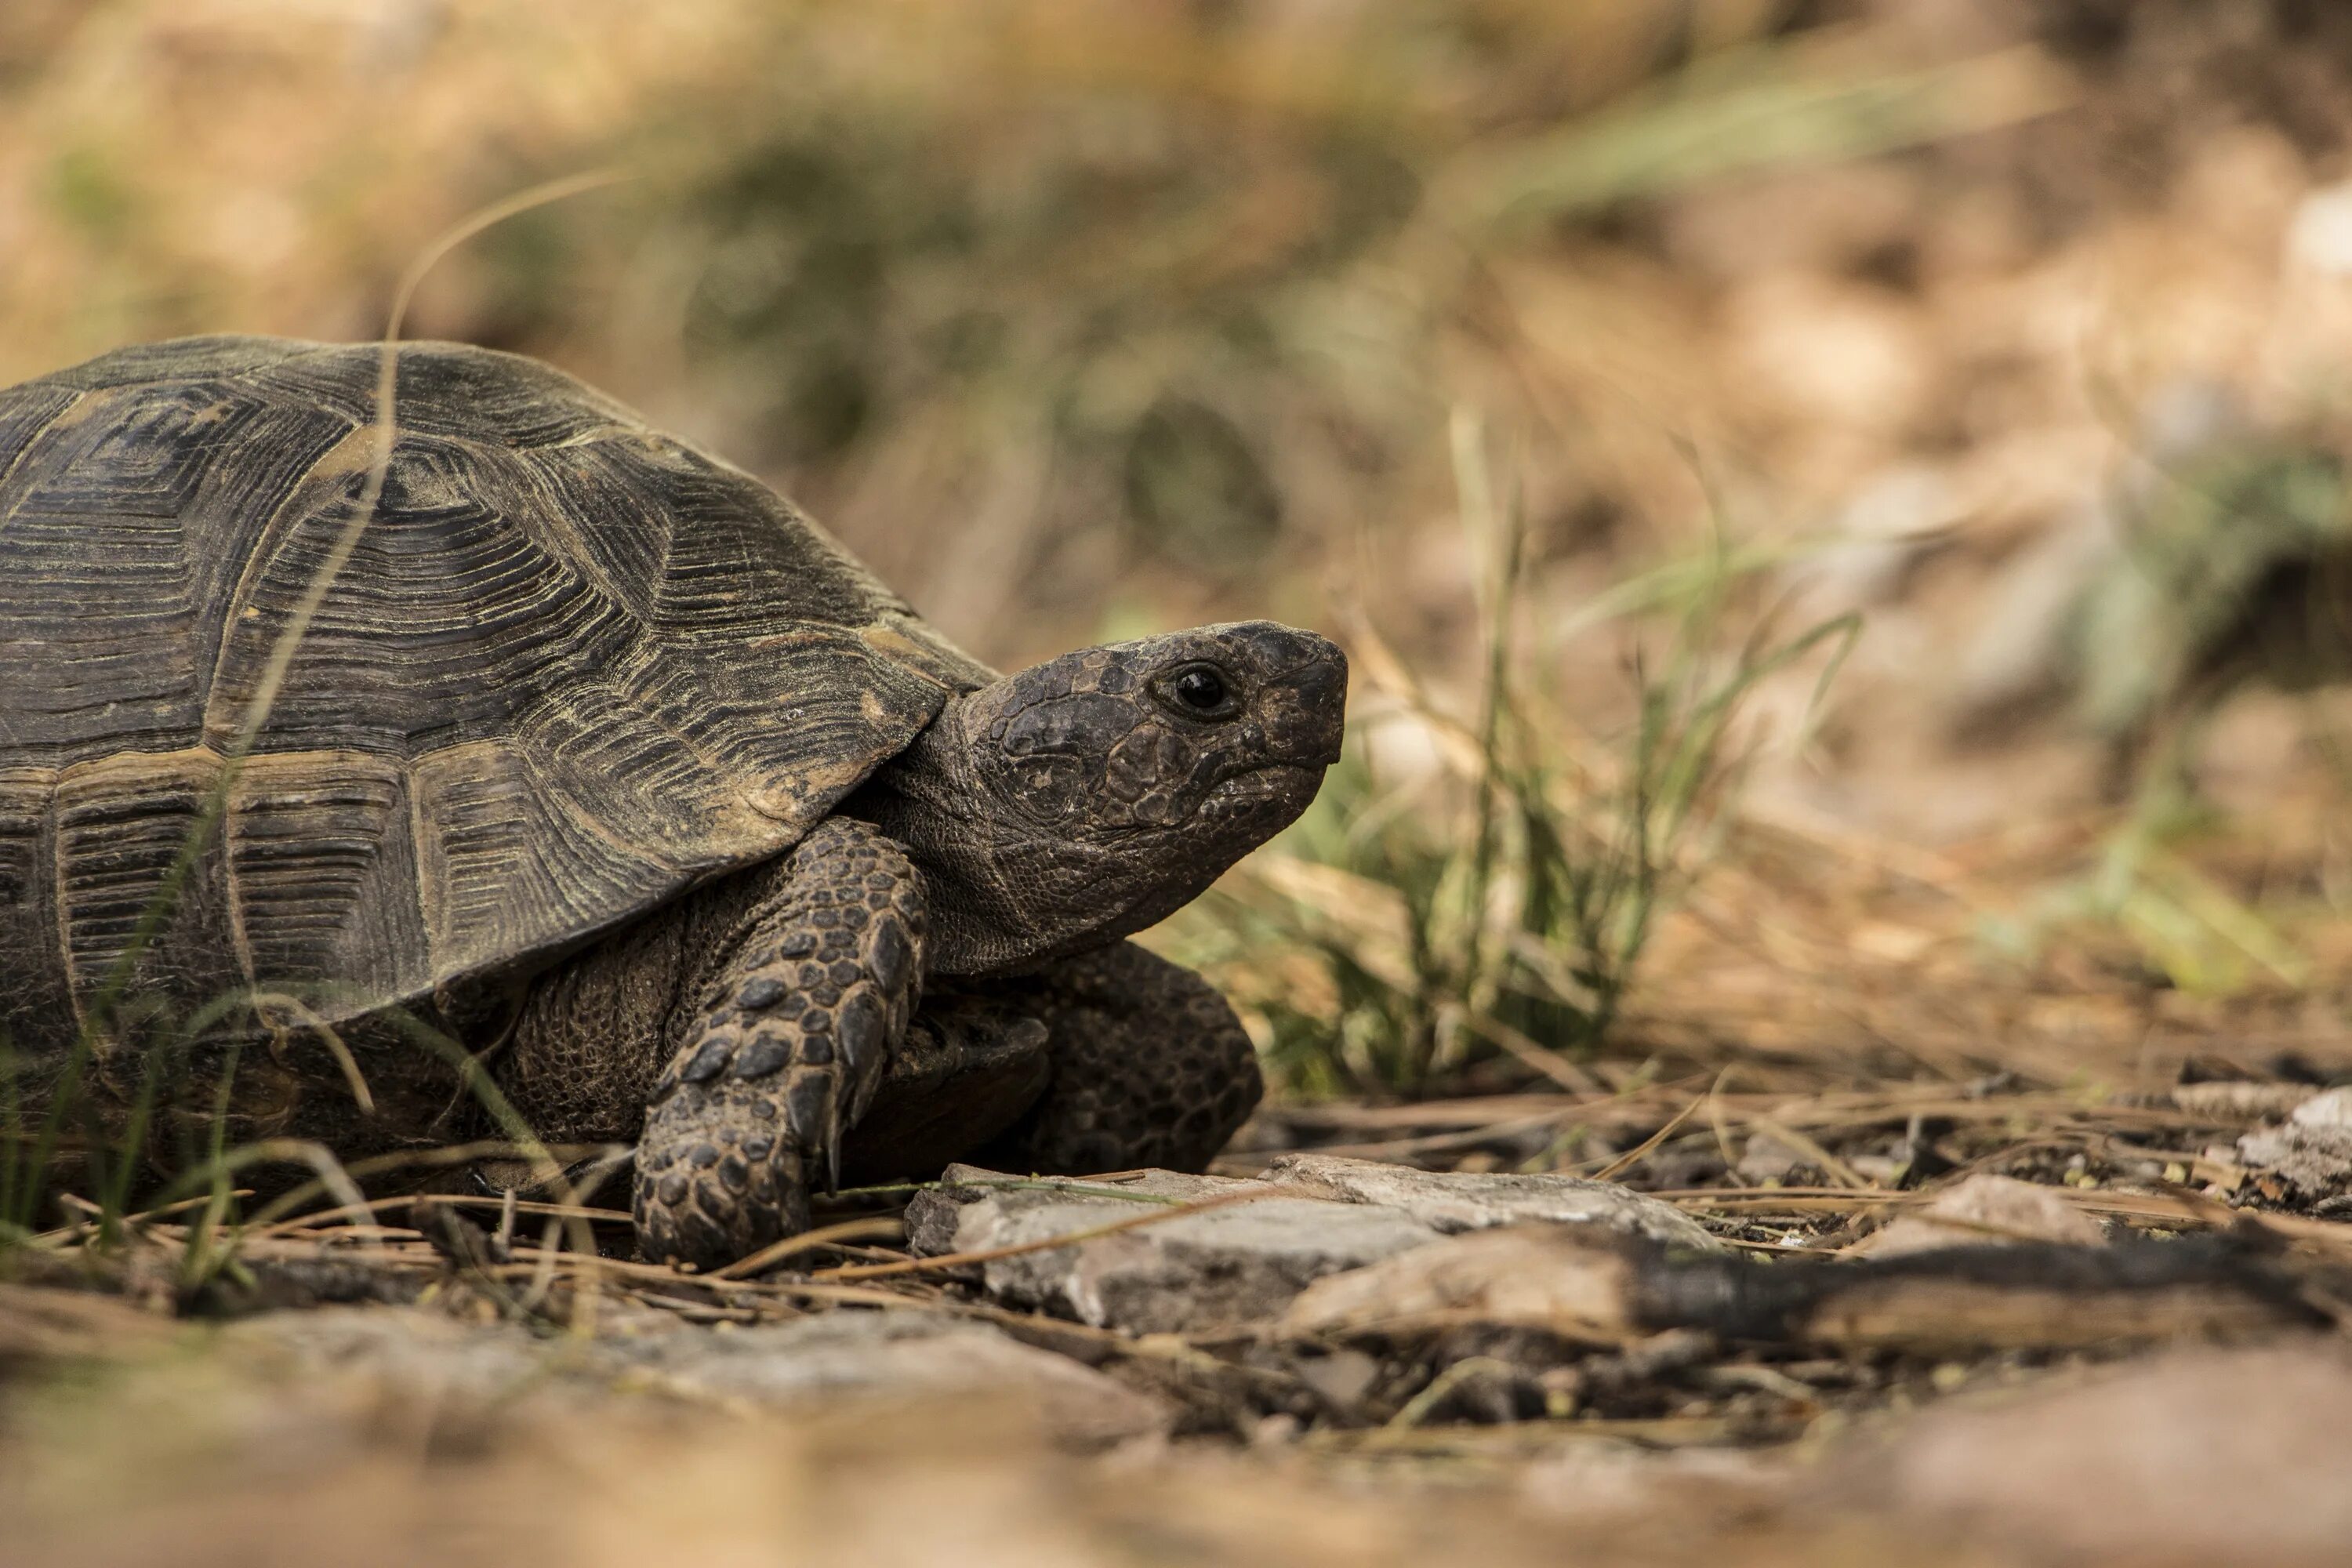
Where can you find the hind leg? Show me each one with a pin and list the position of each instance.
(971, 1065)
(1106, 1061)
(1147, 1067)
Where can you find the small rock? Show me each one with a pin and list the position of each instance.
(1220, 1268)
(1273, 1431)
(1567, 1279)
(2331, 1108)
(1983, 1210)
(1767, 1162)
(1341, 1378)
(1454, 1201)
(1885, 1170)
(2311, 1150)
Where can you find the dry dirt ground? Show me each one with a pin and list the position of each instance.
(2065, 1319)
(2006, 1108)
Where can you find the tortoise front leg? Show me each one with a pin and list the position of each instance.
(783, 1050)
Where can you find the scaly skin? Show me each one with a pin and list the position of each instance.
(1105, 1061)
(1149, 1066)
(1006, 851)
(796, 1031)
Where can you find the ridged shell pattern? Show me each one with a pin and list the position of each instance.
(573, 667)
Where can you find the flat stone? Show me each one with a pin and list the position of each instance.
(428, 1353)
(833, 1359)
(1235, 1266)
(900, 1357)
(1983, 1210)
(1569, 1280)
(1450, 1202)
(933, 1217)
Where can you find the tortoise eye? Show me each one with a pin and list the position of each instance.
(1201, 691)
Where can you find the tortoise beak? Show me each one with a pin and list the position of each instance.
(1304, 700)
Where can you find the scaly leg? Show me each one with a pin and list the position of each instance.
(970, 1067)
(1149, 1066)
(782, 1050)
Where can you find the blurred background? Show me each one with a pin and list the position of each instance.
(1828, 498)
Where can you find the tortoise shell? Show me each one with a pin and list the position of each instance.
(573, 667)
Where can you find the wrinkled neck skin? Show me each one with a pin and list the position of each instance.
(935, 804)
(1005, 896)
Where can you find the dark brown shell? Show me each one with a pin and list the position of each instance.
(573, 667)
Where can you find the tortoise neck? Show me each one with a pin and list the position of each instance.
(928, 801)
(1002, 899)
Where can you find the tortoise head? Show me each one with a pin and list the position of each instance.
(1086, 798)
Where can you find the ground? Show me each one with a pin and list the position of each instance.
(1836, 511)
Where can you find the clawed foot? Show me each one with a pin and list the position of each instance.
(792, 1046)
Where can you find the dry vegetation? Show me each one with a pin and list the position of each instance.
(1838, 513)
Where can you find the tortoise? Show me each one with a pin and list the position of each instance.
(599, 759)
